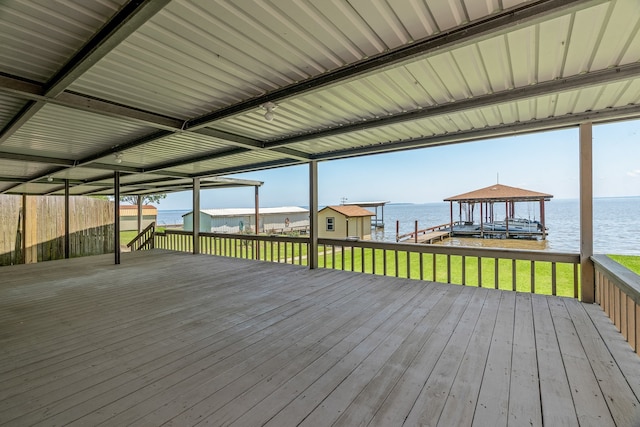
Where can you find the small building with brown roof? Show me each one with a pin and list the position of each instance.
(496, 204)
(344, 221)
(129, 216)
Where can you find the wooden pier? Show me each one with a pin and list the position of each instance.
(459, 228)
(434, 236)
(426, 235)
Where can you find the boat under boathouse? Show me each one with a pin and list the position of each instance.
(495, 207)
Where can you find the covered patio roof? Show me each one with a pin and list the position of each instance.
(174, 90)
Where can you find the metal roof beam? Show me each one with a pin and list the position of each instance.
(36, 159)
(472, 32)
(546, 88)
(249, 168)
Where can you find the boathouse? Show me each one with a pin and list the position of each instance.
(377, 220)
(495, 210)
(345, 221)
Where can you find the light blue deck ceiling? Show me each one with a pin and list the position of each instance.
(164, 90)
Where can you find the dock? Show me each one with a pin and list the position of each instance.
(434, 236)
(461, 229)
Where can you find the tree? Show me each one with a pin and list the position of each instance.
(146, 198)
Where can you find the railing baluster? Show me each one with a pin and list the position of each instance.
(514, 275)
(533, 277)
(433, 272)
(479, 272)
(384, 262)
(464, 270)
(397, 266)
(342, 256)
(409, 264)
(373, 261)
(575, 280)
(352, 251)
(495, 280)
(421, 255)
(553, 278)
(448, 268)
(362, 258)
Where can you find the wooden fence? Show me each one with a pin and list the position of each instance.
(32, 229)
(11, 231)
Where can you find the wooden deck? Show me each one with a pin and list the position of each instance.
(181, 340)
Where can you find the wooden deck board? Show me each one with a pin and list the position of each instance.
(524, 387)
(177, 339)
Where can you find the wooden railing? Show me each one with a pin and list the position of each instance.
(548, 273)
(618, 293)
(144, 240)
(541, 272)
(291, 250)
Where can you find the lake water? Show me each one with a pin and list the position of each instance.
(616, 224)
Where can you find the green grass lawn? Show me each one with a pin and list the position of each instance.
(632, 262)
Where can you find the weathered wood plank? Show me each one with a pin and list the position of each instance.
(461, 404)
(428, 406)
(587, 398)
(614, 385)
(524, 388)
(400, 401)
(493, 401)
(555, 392)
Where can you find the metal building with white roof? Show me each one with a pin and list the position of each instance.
(282, 219)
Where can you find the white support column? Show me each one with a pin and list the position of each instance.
(312, 255)
(587, 275)
(196, 215)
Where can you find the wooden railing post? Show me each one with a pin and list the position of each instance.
(587, 277)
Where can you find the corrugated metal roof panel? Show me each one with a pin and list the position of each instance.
(9, 107)
(38, 37)
(173, 147)
(192, 57)
(68, 133)
(252, 157)
(16, 169)
(84, 173)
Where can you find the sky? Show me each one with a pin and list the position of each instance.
(545, 161)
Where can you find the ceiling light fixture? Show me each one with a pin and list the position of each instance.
(50, 178)
(118, 157)
(269, 106)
